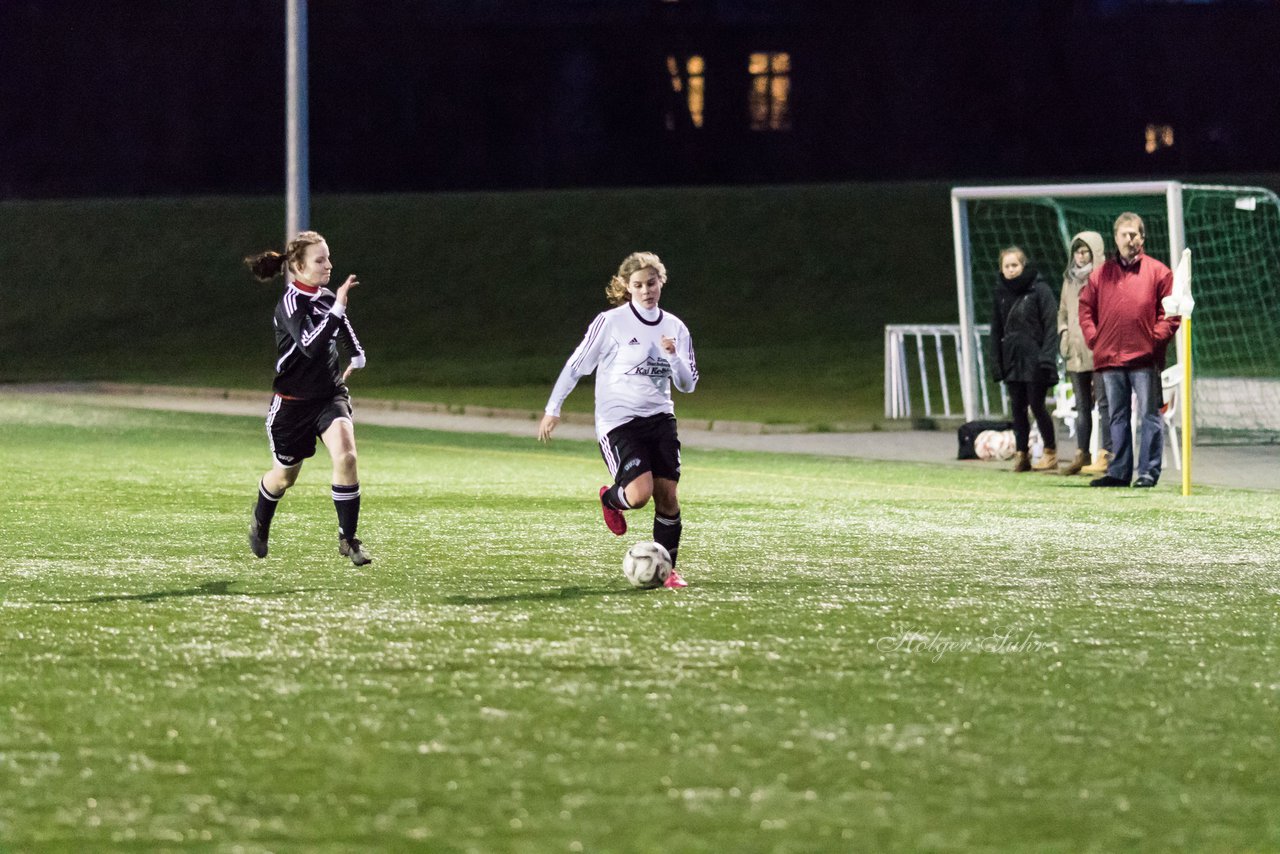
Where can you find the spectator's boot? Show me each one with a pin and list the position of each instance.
(1078, 463)
(1048, 461)
(1021, 461)
(1100, 462)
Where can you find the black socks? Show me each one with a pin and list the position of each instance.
(265, 510)
(346, 500)
(615, 497)
(666, 532)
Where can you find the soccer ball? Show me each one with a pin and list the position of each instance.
(985, 445)
(646, 564)
(994, 445)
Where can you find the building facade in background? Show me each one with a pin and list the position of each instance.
(413, 95)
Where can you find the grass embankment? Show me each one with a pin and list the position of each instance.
(479, 297)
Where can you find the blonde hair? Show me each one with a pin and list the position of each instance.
(265, 266)
(616, 291)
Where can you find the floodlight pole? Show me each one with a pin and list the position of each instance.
(297, 169)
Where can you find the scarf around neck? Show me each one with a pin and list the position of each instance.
(1022, 283)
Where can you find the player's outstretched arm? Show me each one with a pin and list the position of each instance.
(581, 362)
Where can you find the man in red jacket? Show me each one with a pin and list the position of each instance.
(1124, 325)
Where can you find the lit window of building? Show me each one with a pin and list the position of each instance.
(690, 80)
(697, 88)
(770, 91)
(1158, 137)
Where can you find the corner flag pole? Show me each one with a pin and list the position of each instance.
(1182, 303)
(1186, 405)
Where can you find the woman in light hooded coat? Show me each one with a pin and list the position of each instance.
(1085, 255)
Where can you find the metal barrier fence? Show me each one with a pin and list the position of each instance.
(898, 385)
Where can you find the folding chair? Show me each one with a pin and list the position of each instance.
(1064, 406)
(1171, 386)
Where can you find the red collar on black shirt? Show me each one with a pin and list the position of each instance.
(306, 289)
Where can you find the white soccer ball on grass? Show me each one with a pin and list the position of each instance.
(646, 565)
(985, 445)
(994, 445)
(1005, 445)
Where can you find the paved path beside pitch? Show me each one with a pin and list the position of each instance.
(1245, 467)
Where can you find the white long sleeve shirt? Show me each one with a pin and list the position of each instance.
(633, 373)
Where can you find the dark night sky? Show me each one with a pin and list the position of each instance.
(178, 96)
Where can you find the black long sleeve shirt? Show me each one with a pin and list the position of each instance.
(307, 335)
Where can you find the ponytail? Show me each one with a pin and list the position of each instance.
(266, 265)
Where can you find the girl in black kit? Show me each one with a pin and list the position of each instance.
(311, 396)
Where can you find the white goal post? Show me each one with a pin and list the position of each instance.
(1234, 235)
(960, 196)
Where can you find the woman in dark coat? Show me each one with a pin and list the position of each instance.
(1024, 337)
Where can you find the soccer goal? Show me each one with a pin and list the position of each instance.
(1234, 237)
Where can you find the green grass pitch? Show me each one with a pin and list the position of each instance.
(870, 656)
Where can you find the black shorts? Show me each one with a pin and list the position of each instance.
(293, 425)
(648, 444)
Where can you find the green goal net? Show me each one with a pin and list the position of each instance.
(1234, 237)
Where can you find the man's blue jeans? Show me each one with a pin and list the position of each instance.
(1144, 385)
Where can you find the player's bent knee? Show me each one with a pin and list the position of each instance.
(345, 461)
(637, 501)
(278, 480)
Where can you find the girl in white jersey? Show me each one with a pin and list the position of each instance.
(637, 351)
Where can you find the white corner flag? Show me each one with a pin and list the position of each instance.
(1180, 303)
